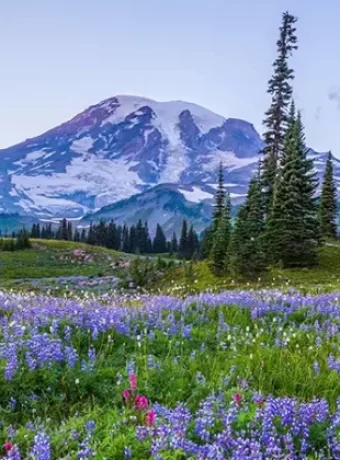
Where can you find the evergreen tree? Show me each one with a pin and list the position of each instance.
(76, 236)
(183, 242)
(328, 204)
(281, 90)
(220, 246)
(132, 240)
(148, 248)
(219, 199)
(125, 239)
(141, 237)
(83, 238)
(193, 243)
(291, 230)
(100, 233)
(34, 231)
(111, 236)
(247, 248)
(63, 231)
(69, 231)
(159, 242)
(174, 244)
(91, 239)
(22, 241)
(206, 243)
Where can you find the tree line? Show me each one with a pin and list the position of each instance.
(281, 222)
(134, 239)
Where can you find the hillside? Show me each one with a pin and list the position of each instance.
(323, 278)
(60, 264)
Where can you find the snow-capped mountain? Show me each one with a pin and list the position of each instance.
(121, 147)
(127, 146)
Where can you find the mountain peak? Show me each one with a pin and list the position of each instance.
(123, 146)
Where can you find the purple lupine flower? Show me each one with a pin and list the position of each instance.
(42, 448)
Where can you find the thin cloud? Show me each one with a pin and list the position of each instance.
(334, 96)
(318, 112)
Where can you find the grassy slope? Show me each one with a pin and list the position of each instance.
(325, 277)
(45, 260)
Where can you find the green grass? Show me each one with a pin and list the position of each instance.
(53, 259)
(323, 278)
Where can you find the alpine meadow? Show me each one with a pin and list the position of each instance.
(170, 279)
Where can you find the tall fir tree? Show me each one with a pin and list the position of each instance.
(206, 243)
(183, 242)
(291, 229)
(193, 243)
(247, 239)
(125, 239)
(132, 240)
(328, 203)
(219, 199)
(221, 240)
(275, 122)
(76, 235)
(159, 243)
(174, 244)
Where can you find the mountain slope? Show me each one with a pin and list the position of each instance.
(127, 146)
(120, 147)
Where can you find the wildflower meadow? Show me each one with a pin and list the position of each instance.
(236, 375)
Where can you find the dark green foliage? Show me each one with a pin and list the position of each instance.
(76, 236)
(219, 199)
(141, 238)
(91, 239)
(206, 243)
(174, 244)
(291, 229)
(220, 242)
(46, 232)
(17, 243)
(193, 243)
(135, 239)
(22, 240)
(35, 232)
(125, 237)
(280, 89)
(247, 247)
(183, 242)
(64, 231)
(159, 245)
(83, 236)
(328, 206)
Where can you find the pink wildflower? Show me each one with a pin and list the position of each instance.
(133, 382)
(141, 402)
(237, 398)
(8, 446)
(150, 418)
(126, 396)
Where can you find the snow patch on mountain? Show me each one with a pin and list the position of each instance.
(228, 159)
(82, 145)
(196, 194)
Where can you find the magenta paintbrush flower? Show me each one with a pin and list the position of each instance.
(8, 446)
(141, 402)
(133, 382)
(126, 396)
(150, 418)
(237, 398)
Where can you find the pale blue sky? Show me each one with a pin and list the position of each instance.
(58, 57)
